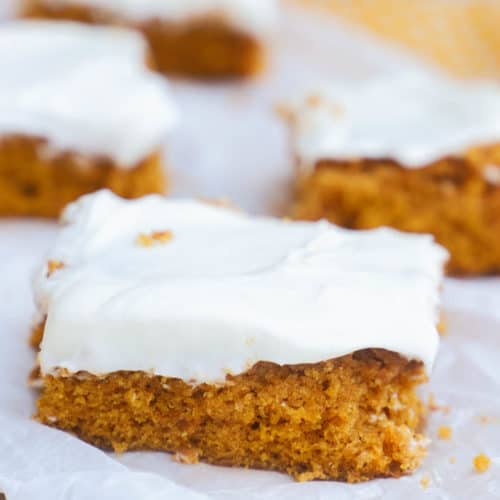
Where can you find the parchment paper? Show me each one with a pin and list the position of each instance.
(231, 144)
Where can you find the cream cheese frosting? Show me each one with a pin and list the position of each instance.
(414, 118)
(255, 16)
(83, 88)
(228, 290)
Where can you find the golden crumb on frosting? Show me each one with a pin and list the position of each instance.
(143, 240)
(156, 237)
(162, 236)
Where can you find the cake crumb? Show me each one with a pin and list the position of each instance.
(442, 326)
(487, 419)
(425, 481)
(283, 111)
(314, 100)
(434, 406)
(162, 236)
(143, 240)
(148, 240)
(187, 456)
(445, 432)
(453, 460)
(53, 266)
(481, 463)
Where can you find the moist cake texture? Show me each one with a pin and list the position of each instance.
(199, 38)
(251, 352)
(353, 418)
(417, 152)
(33, 185)
(79, 111)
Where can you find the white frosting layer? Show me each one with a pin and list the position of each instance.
(256, 16)
(229, 290)
(413, 118)
(83, 88)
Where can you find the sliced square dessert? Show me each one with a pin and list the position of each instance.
(199, 38)
(79, 111)
(418, 152)
(237, 340)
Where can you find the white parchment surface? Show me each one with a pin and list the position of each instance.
(231, 144)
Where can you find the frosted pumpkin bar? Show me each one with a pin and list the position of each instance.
(418, 152)
(79, 111)
(200, 38)
(238, 340)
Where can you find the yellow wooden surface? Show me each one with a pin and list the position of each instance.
(461, 35)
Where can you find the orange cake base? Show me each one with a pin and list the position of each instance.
(202, 48)
(37, 181)
(450, 199)
(352, 418)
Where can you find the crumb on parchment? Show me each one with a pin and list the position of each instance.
(425, 481)
(445, 432)
(481, 463)
(162, 236)
(488, 419)
(433, 405)
(314, 100)
(53, 266)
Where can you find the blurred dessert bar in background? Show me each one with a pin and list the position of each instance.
(418, 152)
(461, 36)
(198, 38)
(289, 346)
(79, 111)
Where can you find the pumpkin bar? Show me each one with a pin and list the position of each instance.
(208, 39)
(79, 111)
(178, 326)
(418, 152)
